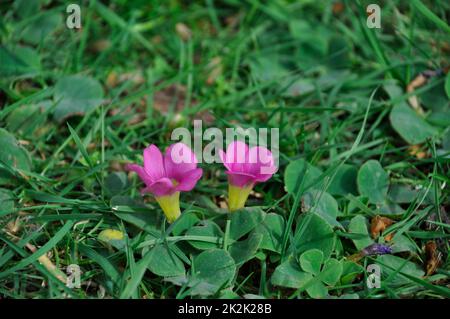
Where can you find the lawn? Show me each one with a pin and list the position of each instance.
(357, 121)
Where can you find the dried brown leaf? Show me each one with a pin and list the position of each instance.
(417, 151)
(433, 257)
(183, 31)
(378, 225)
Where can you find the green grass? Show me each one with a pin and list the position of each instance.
(315, 72)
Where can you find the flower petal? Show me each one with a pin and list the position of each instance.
(161, 187)
(268, 173)
(237, 156)
(189, 180)
(178, 160)
(261, 163)
(140, 171)
(240, 179)
(153, 163)
(223, 158)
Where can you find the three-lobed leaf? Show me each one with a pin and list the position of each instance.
(311, 261)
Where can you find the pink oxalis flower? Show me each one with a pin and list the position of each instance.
(166, 176)
(245, 168)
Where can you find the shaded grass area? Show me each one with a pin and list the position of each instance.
(356, 140)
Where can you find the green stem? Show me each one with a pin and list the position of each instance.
(227, 233)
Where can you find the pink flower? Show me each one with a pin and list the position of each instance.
(166, 176)
(245, 168)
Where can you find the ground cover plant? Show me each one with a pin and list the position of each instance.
(356, 208)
